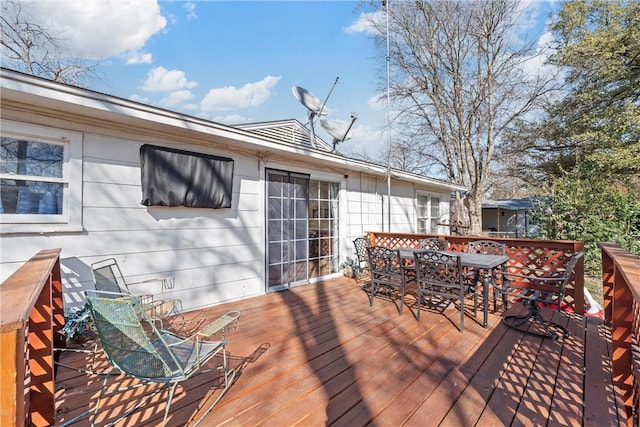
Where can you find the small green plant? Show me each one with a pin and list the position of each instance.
(78, 324)
(351, 267)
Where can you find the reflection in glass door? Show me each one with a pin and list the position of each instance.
(323, 228)
(287, 229)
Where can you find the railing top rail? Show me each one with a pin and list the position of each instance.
(527, 241)
(20, 291)
(627, 264)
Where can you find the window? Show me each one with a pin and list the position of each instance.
(428, 214)
(40, 179)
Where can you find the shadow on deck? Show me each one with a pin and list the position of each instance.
(320, 355)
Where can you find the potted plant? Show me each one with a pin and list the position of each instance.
(78, 325)
(350, 267)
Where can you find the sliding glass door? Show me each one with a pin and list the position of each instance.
(323, 228)
(287, 229)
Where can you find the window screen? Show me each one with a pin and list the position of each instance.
(172, 177)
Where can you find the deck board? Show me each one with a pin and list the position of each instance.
(321, 355)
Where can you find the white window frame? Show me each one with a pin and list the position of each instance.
(429, 218)
(71, 218)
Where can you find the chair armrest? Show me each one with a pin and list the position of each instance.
(220, 324)
(211, 329)
(543, 280)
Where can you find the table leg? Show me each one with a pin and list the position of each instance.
(485, 297)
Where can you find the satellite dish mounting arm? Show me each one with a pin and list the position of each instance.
(329, 94)
(354, 117)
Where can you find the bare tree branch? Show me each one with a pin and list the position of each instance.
(32, 48)
(458, 82)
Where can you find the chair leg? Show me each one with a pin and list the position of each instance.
(462, 307)
(229, 376)
(520, 322)
(169, 399)
(102, 390)
(372, 292)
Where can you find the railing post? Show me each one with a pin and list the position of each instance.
(30, 316)
(42, 390)
(12, 378)
(578, 296)
(607, 286)
(622, 300)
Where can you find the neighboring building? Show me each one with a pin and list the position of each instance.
(509, 217)
(278, 211)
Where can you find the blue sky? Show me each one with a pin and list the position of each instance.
(236, 61)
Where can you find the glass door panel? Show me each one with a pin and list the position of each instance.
(287, 229)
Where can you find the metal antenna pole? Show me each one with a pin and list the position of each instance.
(328, 95)
(313, 114)
(387, 5)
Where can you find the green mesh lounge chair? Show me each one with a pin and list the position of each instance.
(134, 346)
(107, 276)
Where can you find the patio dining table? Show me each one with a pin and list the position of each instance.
(485, 262)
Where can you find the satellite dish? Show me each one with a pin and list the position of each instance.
(339, 131)
(314, 105)
(309, 100)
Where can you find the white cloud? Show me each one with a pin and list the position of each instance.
(175, 98)
(190, 107)
(190, 7)
(365, 140)
(365, 23)
(139, 58)
(101, 29)
(232, 98)
(538, 65)
(378, 102)
(160, 79)
(140, 99)
(232, 119)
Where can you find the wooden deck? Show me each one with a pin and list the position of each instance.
(320, 355)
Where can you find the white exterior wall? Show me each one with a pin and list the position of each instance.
(363, 205)
(214, 255)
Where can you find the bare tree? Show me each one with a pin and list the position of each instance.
(35, 49)
(457, 81)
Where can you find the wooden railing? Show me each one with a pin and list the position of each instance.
(521, 252)
(621, 290)
(31, 316)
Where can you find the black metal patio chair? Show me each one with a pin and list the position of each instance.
(536, 287)
(475, 276)
(387, 272)
(433, 243)
(361, 244)
(439, 275)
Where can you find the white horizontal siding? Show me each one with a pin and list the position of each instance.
(214, 255)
